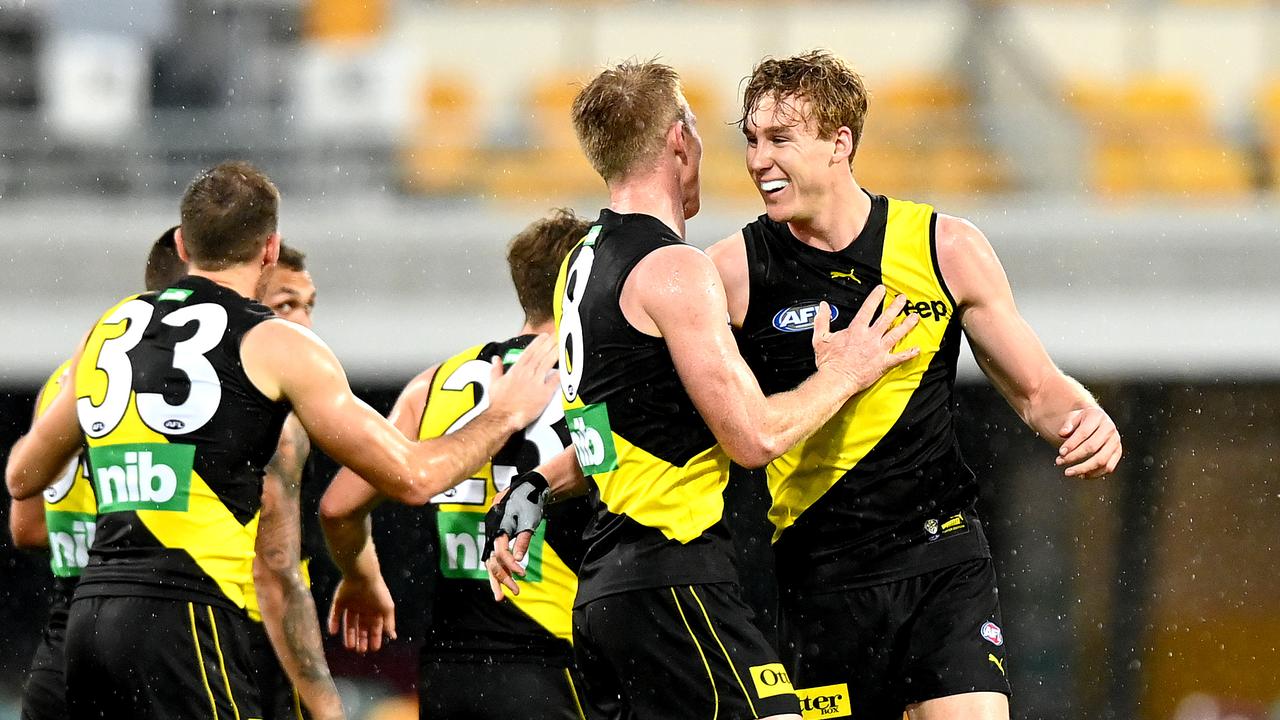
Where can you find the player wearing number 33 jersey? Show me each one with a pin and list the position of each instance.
(176, 438)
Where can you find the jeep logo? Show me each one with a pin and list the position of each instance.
(799, 317)
(927, 309)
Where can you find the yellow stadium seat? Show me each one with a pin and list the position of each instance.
(445, 149)
(344, 19)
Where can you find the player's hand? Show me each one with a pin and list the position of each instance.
(516, 513)
(1091, 444)
(524, 390)
(362, 610)
(863, 352)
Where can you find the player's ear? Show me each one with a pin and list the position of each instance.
(180, 246)
(844, 146)
(678, 139)
(271, 255)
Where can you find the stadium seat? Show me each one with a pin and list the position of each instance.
(1152, 135)
(444, 154)
(344, 19)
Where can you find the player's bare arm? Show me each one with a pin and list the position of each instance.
(26, 517)
(676, 293)
(1057, 407)
(41, 456)
(288, 362)
(362, 608)
(730, 258)
(288, 610)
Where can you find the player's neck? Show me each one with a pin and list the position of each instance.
(546, 326)
(838, 222)
(242, 279)
(651, 194)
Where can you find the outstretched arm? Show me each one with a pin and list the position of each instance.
(288, 611)
(362, 606)
(1057, 407)
(286, 361)
(676, 293)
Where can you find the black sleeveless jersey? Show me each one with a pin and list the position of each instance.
(177, 438)
(656, 474)
(880, 491)
(466, 622)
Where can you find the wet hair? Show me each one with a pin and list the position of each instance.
(622, 116)
(836, 94)
(291, 258)
(164, 267)
(534, 257)
(228, 212)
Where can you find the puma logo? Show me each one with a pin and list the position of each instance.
(836, 274)
(999, 665)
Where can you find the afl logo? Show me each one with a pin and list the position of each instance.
(174, 424)
(991, 633)
(97, 427)
(799, 317)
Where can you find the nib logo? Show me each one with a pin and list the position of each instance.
(154, 476)
(592, 438)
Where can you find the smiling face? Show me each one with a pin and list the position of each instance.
(793, 168)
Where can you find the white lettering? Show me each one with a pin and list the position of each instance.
(151, 490)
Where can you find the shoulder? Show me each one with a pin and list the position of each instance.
(674, 268)
(415, 392)
(730, 256)
(965, 256)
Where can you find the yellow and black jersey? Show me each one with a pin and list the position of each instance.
(70, 512)
(656, 474)
(880, 491)
(70, 509)
(176, 440)
(465, 620)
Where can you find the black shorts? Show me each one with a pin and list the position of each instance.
(45, 690)
(44, 693)
(872, 651)
(479, 690)
(691, 651)
(140, 657)
(280, 700)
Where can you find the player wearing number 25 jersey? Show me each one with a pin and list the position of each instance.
(523, 643)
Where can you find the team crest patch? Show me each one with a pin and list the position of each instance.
(991, 633)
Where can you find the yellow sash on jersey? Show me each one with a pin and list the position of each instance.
(549, 586)
(802, 475)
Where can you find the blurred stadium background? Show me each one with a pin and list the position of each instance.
(1123, 157)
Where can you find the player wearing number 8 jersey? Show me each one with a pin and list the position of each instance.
(179, 397)
(658, 402)
(472, 641)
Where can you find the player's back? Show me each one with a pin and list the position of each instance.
(868, 496)
(465, 620)
(657, 474)
(177, 440)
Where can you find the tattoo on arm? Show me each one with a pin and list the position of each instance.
(293, 612)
